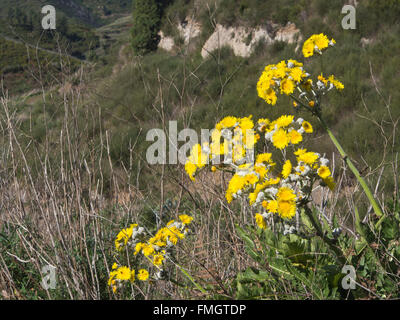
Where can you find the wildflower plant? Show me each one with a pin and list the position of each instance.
(149, 253)
(295, 241)
(291, 78)
(271, 170)
(271, 189)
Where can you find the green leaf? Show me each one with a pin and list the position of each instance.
(359, 227)
(303, 279)
(245, 237)
(250, 246)
(360, 245)
(390, 229)
(306, 220)
(253, 274)
(334, 274)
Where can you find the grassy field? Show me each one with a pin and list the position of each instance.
(74, 171)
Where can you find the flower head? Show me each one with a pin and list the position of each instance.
(316, 43)
(260, 221)
(143, 275)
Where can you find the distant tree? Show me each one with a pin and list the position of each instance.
(146, 25)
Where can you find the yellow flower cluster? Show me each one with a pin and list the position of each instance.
(329, 83)
(121, 274)
(272, 190)
(281, 195)
(284, 131)
(197, 160)
(238, 138)
(316, 43)
(154, 249)
(125, 235)
(285, 76)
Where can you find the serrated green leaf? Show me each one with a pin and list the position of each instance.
(306, 220)
(360, 245)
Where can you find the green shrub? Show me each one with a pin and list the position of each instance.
(146, 24)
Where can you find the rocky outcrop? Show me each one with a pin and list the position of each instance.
(240, 39)
(243, 40)
(189, 29)
(166, 43)
(365, 42)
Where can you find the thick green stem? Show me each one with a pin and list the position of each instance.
(353, 169)
(339, 254)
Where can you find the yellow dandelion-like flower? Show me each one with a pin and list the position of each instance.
(123, 237)
(226, 122)
(123, 273)
(286, 209)
(308, 48)
(324, 172)
(143, 275)
(269, 96)
(139, 246)
(287, 169)
(321, 41)
(307, 157)
(297, 74)
(263, 123)
(235, 184)
(323, 79)
(287, 86)
(284, 121)
(317, 42)
(307, 85)
(295, 137)
(280, 139)
(280, 70)
(338, 85)
(295, 63)
(330, 183)
(246, 123)
(272, 206)
(147, 250)
(185, 219)
(158, 259)
(197, 160)
(307, 127)
(260, 221)
(264, 157)
(285, 194)
(190, 169)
